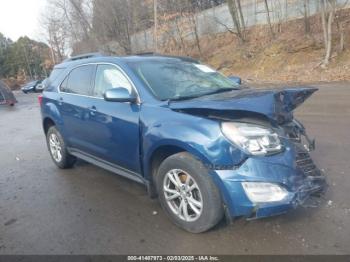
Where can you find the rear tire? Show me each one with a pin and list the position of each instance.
(187, 193)
(58, 149)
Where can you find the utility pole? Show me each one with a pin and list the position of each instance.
(155, 40)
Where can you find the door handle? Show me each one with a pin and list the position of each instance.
(93, 110)
(60, 100)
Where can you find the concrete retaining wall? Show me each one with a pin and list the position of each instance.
(218, 20)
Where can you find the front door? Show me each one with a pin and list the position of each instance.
(116, 124)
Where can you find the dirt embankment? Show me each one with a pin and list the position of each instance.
(292, 56)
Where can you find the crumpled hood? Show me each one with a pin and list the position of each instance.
(276, 104)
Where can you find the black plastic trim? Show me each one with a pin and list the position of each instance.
(108, 166)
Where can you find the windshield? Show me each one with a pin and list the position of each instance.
(176, 80)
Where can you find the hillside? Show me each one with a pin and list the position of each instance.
(292, 56)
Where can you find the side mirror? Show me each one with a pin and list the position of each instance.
(39, 87)
(119, 94)
(236, 79)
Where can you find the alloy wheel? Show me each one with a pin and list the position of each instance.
(183, 195)
(55, 147)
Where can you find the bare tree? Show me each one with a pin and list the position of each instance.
(306, 14)
(68, 25)
(241, 17)
(269, 19)
(278, 14)
(81, 16)
(191, 16)
(181, 45)
(342, 27)
(342, 20)
(179, 25)
(232, 6)
(328, 8)
(56, 31)
(111, 22)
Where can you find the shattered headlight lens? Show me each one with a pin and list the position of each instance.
(253, 139)
(261, 192)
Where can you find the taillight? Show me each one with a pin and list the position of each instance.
(40, 99)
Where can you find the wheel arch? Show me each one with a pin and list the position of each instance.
(47, 123)
(51, 116)
(159, 153)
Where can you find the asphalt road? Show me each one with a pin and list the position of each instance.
(87, 210)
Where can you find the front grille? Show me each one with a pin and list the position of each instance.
(305, 163)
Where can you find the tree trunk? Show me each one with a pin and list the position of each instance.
(241, 17)
(233, 11)
(182, 42)
(195, 30)
(327, 15)
(268, 18)
(306, 17)
(342, 46)
(83, 20)
(329, 38)
(324, 23)
(52, 55)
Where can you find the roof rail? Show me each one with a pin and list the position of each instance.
(83, 56)
(183, 58)
(147, 54)
(187, 59)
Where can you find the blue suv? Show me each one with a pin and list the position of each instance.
(207, 146)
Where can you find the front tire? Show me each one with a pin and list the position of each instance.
(187, 193)
(58, 149)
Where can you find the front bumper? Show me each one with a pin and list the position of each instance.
(294, 199)
(283, 169)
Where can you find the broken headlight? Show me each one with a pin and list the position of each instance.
(252, 139)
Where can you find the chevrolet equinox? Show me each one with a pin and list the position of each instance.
(205, 145)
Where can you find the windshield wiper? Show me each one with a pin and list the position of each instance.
(220, 90)
(217, 91)
(181, 98)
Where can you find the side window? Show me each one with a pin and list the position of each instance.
(78, 81)
(107, 77)
(63, 86)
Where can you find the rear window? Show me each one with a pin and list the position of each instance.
(78, 81)
(55, 73)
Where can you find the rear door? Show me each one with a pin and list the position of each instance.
(115, 124)
(75, 102)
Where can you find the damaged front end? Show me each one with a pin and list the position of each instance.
(304, 180)
(277, 173)
(291, 174)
